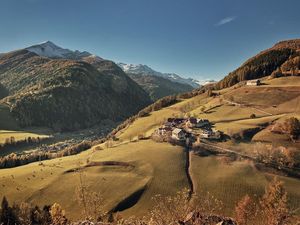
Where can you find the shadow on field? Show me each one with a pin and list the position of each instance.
(104, 163)
(130, 201)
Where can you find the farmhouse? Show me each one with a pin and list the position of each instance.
(164, 130)
(197, 123)
(178, 134)
(176, 121)
(253, 82)
(210, 134)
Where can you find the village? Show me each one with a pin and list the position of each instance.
(186, 130)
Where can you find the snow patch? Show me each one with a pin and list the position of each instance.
(146, 70)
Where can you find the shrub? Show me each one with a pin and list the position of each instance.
(244, 210)
(292, 126)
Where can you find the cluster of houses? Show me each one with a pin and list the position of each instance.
(187, 129)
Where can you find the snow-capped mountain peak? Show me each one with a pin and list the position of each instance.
(146, 70)
(51, 50)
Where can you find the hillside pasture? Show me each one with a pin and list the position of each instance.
(56, 180)
(263, 96)
(229, 182)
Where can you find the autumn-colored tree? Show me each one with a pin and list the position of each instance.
(24, 213)
(292, 126)
(274, 205)
(244, 210)
(58, 215)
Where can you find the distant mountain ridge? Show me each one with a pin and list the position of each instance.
(50, 50)
(66, 90)
(146, 70)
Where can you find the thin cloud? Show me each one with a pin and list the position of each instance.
(225, 20)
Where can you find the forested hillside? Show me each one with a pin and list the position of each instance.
(262, 64)
(158, 87)
(67, 94)
(3, 91)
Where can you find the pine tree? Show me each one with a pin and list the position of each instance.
(7, 215)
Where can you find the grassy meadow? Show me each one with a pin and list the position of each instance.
(54, 181)
(230, 181)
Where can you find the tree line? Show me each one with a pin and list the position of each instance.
(257, 67)
(12, 142)
(14, 160)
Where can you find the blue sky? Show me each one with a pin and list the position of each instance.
(196, 38)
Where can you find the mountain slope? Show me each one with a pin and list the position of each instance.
(67, 94)
(50, 50)
(145, 70)
(262, 64)
(158, 87)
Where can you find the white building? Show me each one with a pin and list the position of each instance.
(253, 82)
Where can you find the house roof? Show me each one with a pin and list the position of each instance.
(176, 120)
(253, 81)
(193, 120)
(177, 131)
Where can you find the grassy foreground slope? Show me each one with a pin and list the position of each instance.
(54, 181)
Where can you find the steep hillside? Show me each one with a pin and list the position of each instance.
(158, 87)
(262, 64)
(66, 94)
(3, 91)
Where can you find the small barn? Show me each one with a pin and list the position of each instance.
(210, 134)
(256, 82)
(164, 130)
(197, 123)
